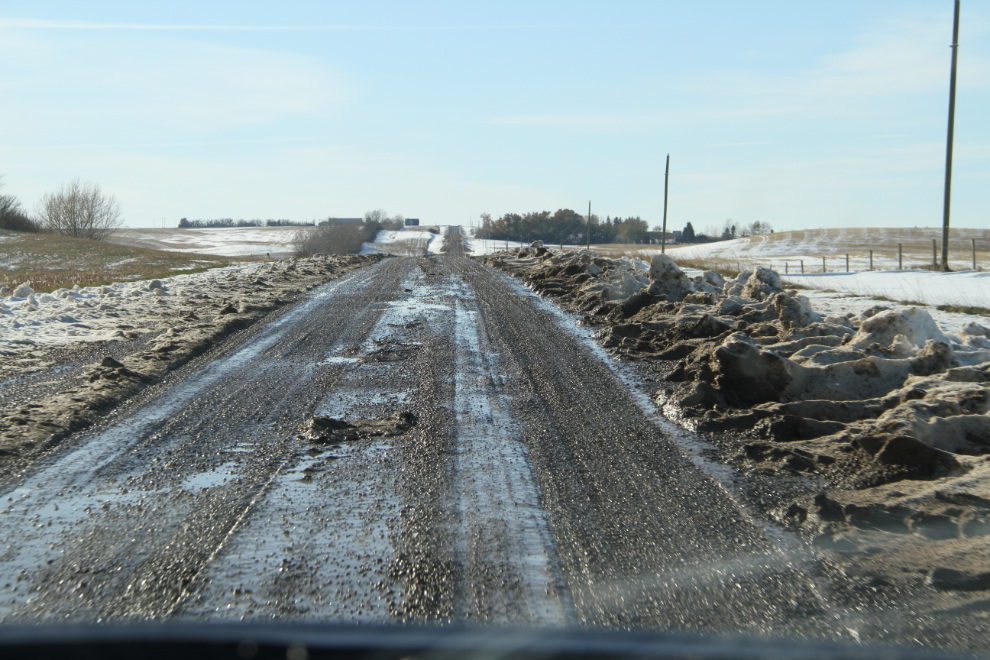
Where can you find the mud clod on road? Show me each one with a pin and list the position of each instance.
(327, 430)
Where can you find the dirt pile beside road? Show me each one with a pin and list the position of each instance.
(882, 409)
(179, 330)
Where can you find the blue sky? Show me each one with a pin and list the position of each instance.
(798, 114)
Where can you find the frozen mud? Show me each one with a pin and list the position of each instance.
(175, 320)
(883, 414)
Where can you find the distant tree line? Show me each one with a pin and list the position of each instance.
(564, 226)
(727, 231)
(185, 223)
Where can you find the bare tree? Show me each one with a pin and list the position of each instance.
(380, 218)
(757, 228)
(12, 216)
(378, 215)
(81, 211)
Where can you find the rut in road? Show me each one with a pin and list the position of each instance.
(533, 489)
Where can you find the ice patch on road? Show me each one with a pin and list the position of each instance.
(494, 471)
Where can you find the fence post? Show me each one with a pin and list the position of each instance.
(900, 257)
(974, 259)
(823, 264)
(974, 254)
(802, 266)
(934, 255)
(847, 263)
(871, 259)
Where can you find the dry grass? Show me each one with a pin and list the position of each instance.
(724, 267)
(962, 309)
(50, 262)
(631, 250)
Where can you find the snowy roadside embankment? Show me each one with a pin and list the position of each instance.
(408, 242)
(183, 316)
(401, 242)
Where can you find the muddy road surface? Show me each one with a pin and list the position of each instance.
(536, 486)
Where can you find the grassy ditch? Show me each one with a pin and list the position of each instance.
(963, 309)
(50, 261)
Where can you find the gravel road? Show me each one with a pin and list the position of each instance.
(536, 487)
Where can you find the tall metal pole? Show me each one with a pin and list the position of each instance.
(663, 234)
(948, 141)
(589, 225)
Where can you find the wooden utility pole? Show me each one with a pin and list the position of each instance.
(663, 234)
(589, 225)
(948, 141)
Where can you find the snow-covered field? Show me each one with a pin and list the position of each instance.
(785, 251)
(482, 246)
(966, 289)
(834, 244)
(226, 241)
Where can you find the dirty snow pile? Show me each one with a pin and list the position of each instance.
(863, 400)
(31, 321)
(122, 310)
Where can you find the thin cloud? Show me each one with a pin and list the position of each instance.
(139, 145)
(734, 144)
(32, 24)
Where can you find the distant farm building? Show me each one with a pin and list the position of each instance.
(656, 237)
(412, 222)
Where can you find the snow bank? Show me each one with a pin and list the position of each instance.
(103, 313)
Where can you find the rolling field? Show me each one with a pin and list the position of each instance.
(50, 261)
(791, 247)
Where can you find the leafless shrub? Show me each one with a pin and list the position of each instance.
(81, 211)
(342, 238)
